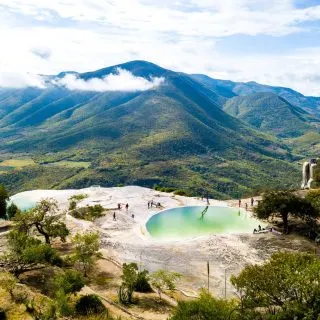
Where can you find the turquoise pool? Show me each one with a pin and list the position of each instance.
(185, 222)
(22, 202)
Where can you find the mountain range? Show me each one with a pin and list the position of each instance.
(172, 129)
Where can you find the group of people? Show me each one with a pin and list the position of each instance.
(152, 203)
(246, 204)
(119, 208)
(127, 206)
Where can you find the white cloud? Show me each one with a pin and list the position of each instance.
(20, 80)
(43, 53)
(183, 35)
(213, 18)
(123, 80)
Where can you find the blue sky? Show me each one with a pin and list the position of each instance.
(269, 41)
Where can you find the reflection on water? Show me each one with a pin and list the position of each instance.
(184, 222)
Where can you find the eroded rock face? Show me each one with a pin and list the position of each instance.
(309, 173)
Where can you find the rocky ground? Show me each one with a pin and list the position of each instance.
(127, 240)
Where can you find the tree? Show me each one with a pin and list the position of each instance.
(206, 307)
(87, 248)
(27, 253)
(4, 197)
(129, 280)
(284, 203)
(12, 211)
(287, 286)
(66, 283)
(132, 280)
(163, 279)
(313, 196)
(43, 219)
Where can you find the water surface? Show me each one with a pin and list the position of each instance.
(184, 222)
(22, 202)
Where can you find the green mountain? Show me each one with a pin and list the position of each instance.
(175, 135)
(229, 89)
(270, 113)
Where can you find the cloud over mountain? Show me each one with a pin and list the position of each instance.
(122, 80)
(20, 80)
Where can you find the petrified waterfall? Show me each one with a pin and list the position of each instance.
(307, 173)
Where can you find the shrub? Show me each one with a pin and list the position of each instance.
(206, 307)
(70, 281)
(89, 213)
(142, 284)
(182, 192)
(95, 211)
(89, 304)
(12, 210)
(78, 197)
(72, 205)
(313, 196)
(164, 189)
(2, 314)
(163, 279)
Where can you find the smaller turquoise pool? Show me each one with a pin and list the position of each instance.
(22, 202)
(186, 222)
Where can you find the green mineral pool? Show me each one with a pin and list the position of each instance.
(22, 202)
(186, 222)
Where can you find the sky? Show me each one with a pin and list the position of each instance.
(274, 42)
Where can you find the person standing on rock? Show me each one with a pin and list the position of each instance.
(114, 216)
(239, 203)
(252, 202)
(127, 206)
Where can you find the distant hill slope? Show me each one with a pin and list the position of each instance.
(269, 113)
(176, 134)
(229, 88)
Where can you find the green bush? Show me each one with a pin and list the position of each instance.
(181, 192)
(89, 304)
(95, 211)
(142, 283)
(3, 315)
(72, 205)
(78, 197)
(164, 189)
(89, 213)
(206, 307)
(12, 210)
(69, 281)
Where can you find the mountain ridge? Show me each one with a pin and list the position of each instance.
(174, 134)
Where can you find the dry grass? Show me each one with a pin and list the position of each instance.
(17, 163)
